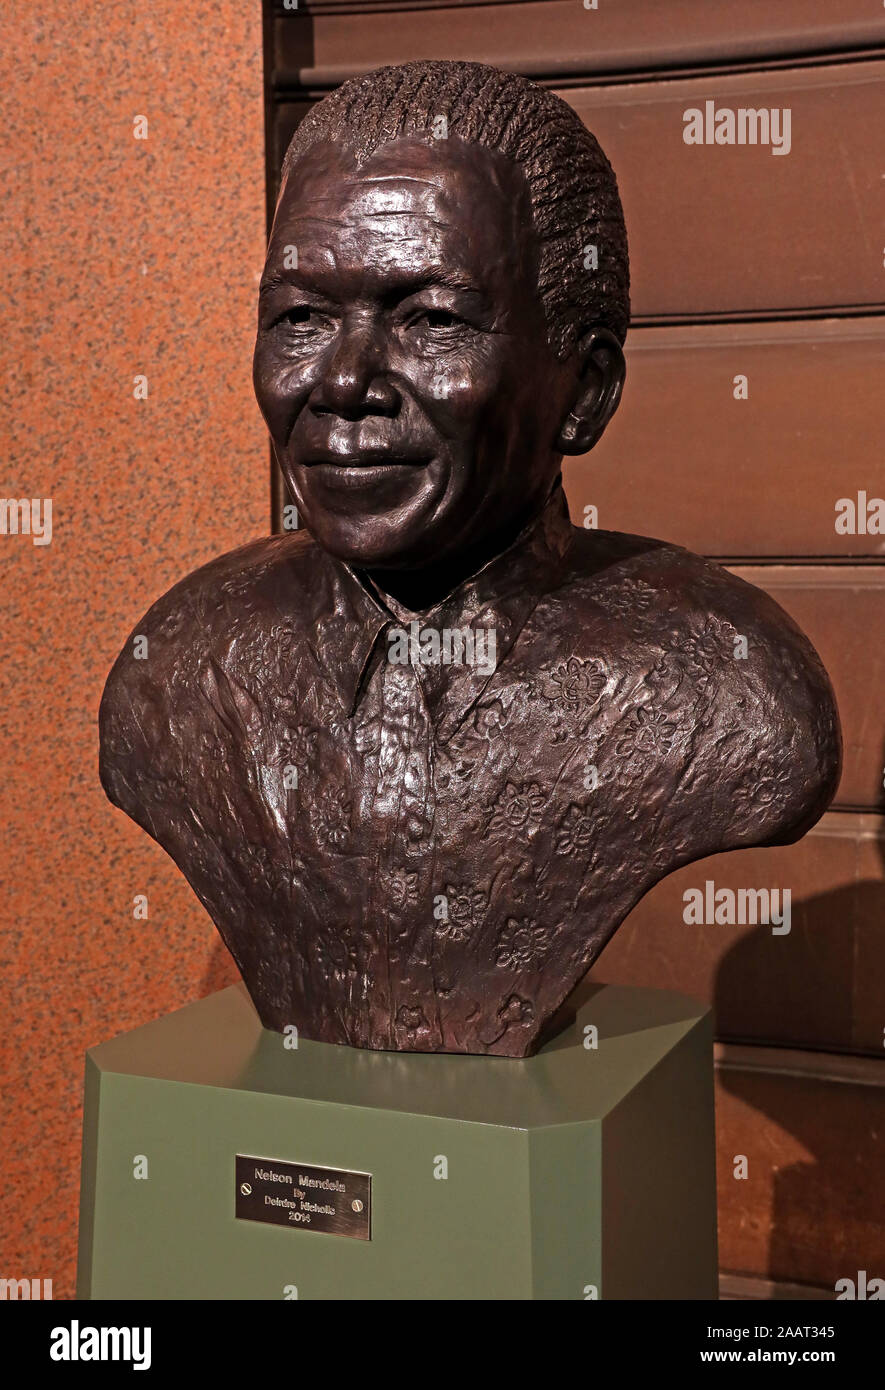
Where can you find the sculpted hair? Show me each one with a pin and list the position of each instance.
(574, 194)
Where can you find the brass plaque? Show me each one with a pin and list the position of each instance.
(303, 1197)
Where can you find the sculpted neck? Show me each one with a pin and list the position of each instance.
(419, 590)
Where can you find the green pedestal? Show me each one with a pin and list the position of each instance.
(581, 1172)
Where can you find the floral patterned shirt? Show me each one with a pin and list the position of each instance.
(430, 856)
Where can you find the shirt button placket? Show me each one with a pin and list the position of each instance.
(405, 799)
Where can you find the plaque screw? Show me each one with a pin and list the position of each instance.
(356, 1204)
(245, 1189)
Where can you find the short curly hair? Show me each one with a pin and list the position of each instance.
(573, 190)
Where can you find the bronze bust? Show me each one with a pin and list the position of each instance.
(421, 758)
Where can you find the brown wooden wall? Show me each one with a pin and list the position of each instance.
(745, 264)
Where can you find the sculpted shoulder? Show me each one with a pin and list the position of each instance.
(726, 663)
(212, 603)
(223, 617)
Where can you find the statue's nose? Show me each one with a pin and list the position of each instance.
(355, 380)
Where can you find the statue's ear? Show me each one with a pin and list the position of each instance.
(602, 370)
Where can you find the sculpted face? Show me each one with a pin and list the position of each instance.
(402, 365)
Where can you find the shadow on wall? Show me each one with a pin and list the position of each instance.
(825, 1213)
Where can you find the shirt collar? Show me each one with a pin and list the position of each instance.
(499, 598)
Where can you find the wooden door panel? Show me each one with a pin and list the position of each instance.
(812, 1131)
(688, 461)
(737, 229)
(820, 985)
(547, 37)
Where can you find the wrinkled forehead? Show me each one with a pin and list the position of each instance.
(441, 200)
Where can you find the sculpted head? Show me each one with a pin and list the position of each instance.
(435, 331)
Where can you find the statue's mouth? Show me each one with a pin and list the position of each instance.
(364, 470)
(365, 458)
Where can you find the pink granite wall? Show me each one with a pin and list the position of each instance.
(122, 258)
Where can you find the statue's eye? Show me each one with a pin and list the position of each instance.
(298, 316)
(305, 321)
(441, 318)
